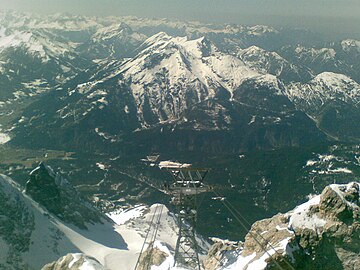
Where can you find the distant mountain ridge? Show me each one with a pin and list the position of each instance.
(169, 80)
(146, 82)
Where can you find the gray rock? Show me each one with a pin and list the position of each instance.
(321, 234)
(56, 194)
(74, 262)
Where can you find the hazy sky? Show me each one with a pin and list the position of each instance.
(342, 16)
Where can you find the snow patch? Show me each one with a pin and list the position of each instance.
(300, 217)
(326, 157)
(310, 163)
(341, 170)
(241, 262)
(101, 166)
(172, 164)
(4, 138)
(123, 216)
(253, 118)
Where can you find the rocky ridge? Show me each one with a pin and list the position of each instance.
(323, 233)
(34, 233)
(55, 193)
(76, 261)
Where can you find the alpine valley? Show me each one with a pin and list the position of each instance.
(104, 102)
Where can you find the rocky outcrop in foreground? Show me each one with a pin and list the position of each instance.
(75, 261)
(323, 233)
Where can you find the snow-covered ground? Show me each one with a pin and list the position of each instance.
(115, 245)
(134, 224)
(301, 218)
(55, 238)
(120, 217)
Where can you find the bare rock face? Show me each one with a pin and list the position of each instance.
(220, 253)
(323, 233)
(276, 232)
(334, 206)
(152, 256)
(74, 262)
(335, 244)
(56, 194)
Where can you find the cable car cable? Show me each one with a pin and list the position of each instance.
(147, 234)
(236, 214)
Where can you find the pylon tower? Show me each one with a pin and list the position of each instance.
(187, 184)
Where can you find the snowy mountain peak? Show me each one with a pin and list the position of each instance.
(325, 87)
(258, 30)
(336, 80)
(36, 42)
(255, 51)
(201, 47)
(177, 72)
(119, 31)
(159, 37)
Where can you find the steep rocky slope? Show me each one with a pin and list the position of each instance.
(323, 233)
(76, 261)
(57, 196)
(32, 234)
(37, 230)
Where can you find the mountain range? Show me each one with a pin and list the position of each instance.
(273, 112)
